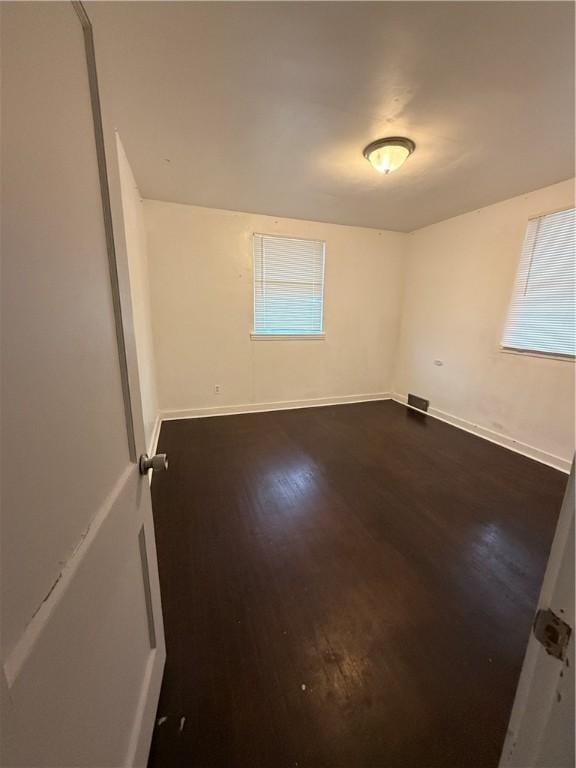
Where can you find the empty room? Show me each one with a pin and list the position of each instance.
(288, 387)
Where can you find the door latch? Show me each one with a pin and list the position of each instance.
(552, 632)
(157, 463)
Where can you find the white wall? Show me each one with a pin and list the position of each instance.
(395, 303)
(202, 303)
(136, 248)
(459, 278)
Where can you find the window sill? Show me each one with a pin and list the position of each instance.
(288, 336)
(541, 355)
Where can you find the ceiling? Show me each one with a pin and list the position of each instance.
(266, 106)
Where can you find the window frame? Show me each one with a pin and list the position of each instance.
(561, 357)
(259, 336)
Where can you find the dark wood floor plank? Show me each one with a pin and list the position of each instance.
(344, 587)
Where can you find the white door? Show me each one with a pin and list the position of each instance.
(541, 730)
(82, 635)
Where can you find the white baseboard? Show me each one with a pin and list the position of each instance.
(494, 437)
(475, 429)
(283, 405)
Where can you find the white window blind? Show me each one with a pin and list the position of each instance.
(288, 286)
(541, 316)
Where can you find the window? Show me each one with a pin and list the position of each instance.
(288, 286)
(541, 316)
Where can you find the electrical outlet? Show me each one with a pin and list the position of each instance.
(217, 389)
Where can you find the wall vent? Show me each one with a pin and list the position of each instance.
(418, 402)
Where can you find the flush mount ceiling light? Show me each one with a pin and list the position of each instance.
(387, 155)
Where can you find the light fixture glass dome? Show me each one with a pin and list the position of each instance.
(387, 155)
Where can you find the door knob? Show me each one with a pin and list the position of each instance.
(157, 463)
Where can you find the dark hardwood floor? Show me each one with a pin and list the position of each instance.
(344, 587)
